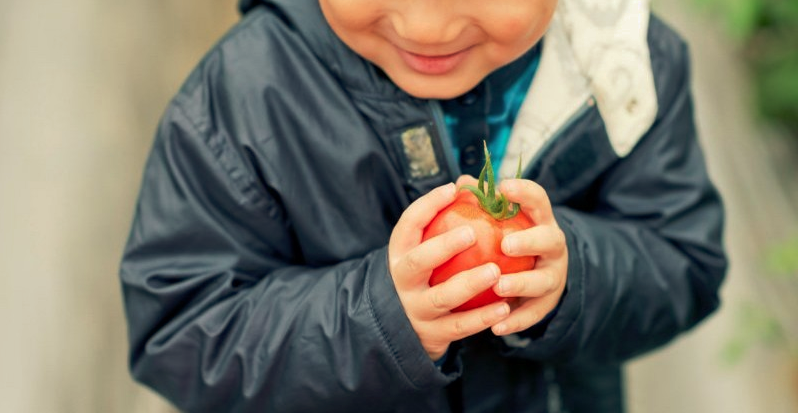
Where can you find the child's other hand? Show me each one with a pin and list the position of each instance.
(540, 289)
(411, 263)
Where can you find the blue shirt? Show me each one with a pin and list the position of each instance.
(488, 112)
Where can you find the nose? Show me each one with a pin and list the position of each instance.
(428, 22)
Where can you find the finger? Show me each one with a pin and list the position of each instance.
(408, 230)
(460, 325)
(462, 287)
(526, 315)
(415, 266)
(466, 180)
(532, 197)
(535, 283)
(541, 240)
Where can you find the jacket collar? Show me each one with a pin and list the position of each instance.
(595, 53)
(357, 74)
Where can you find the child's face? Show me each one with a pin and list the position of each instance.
(439, 48)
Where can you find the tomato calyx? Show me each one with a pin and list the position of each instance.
(497, 207)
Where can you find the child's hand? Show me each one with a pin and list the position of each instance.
(411, 263)
(540, 289)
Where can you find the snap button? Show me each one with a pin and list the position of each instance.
(631, 106)
(469, 98)
(470, 155)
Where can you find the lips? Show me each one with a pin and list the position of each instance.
(433, 64)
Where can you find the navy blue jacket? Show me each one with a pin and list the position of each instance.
(255, 276)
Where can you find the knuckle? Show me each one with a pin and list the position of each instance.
(534, 318)
(522, 323)
(394, 266)
(460, 328)
(511, 326)
(559, 239)
(425, 333)
(537, 287)
(413, 262)
(537, 191)
(438, 300)
(487, 318)
(475, 283)
(523, 285)
(540, 284)
(552, 284)
(484, 318)
(481, 278)
(507, 285)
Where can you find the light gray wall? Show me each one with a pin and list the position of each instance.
(82, 84)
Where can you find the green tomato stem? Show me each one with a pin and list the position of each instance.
(497, 207)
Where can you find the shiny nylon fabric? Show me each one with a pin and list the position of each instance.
(255, 277)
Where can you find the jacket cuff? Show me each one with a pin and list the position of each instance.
(552, 338)
(397, 333)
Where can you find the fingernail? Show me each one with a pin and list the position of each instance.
(499, 329)
(502, 310)
(467, 235)
(451, 189)
(508, 188)
(504, 286)
(491, 273)
(508, 245)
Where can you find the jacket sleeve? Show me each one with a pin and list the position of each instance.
(646, 263)
(223, 317)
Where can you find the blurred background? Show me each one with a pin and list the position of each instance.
(83, 83)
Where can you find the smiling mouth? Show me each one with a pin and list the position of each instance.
(433, 65)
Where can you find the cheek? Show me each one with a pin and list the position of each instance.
(350, 15)
(355, 22)
(532, 22)
(516, 32)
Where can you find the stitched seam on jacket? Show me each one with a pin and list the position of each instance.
(383, 335)
(222, 151)
(581, 286)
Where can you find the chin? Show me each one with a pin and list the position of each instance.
(434, 89)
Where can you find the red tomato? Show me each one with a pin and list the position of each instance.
(489, 231)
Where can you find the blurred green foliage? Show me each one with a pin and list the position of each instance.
(755, 322)
(782, 259)
(768, 33)
(754, 326)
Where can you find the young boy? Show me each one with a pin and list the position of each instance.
(275, 262)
